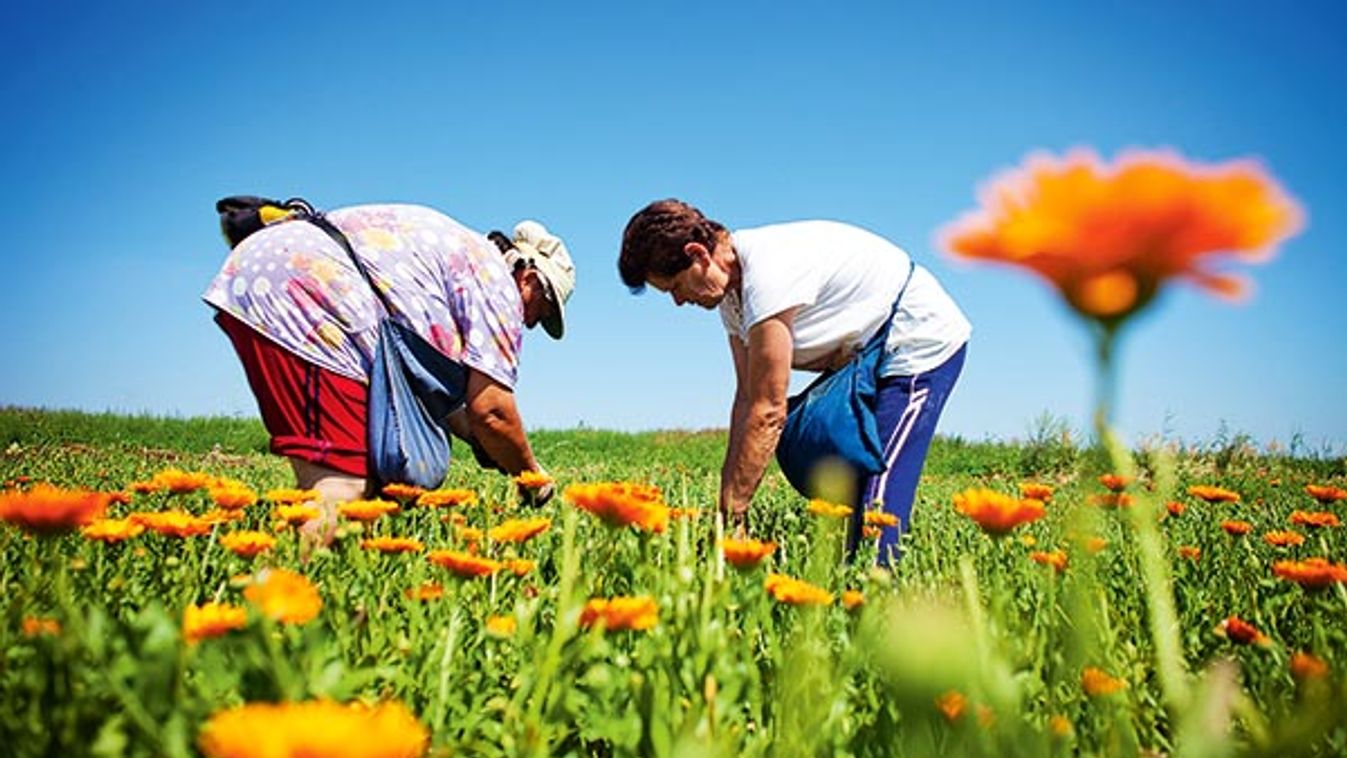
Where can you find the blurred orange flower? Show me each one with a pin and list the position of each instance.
(1095, 544)
(520, 566)
(1114, 482)
(1236, 528)
(1315, 519)
(112, 530)
(247, 543)
(519, 530)
(366, 510)
(1175, 508)
(45, 509)
(1213, 494)
(830, 510)
(1284, 539)
(952, 705)
(1097, 683)
(621, 613)
(173, 523)
(469, 534)
(880, 518)
(1239, 631)
(393, 544)
(314, 728)
(684, 513)
(1191, 552)
(464, 564)
(284, 596)
(1056, 558)
(211, 620)
(1111, 500)
(745, 553)
(34, 626)
(1326, 494)
(852, 599)
(1312, 573)
(621, 504)
(1109, 236)
(793, 591)
(425, 591)
(996, 513)
(444, 498)
(1035, 491)
(1305, 666)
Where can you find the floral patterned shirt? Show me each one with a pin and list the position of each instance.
(296, 286)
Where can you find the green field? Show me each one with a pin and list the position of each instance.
(968, 647)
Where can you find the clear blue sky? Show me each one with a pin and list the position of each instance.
(125, 121)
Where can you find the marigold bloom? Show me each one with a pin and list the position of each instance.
(425, 591)
(793, 591)
(464, 564)
(1326, 494)
(44, 509)
(285, 596)
(852, 599)
(1036, 491)
(233, 498)
(119, 498)
(1114, 482)
(1236, 528)
(393, 544)
(211, 620)
(871, 532)
(1305, 666)
(684, 513)
(621, 613)
(519, 530)
(952, 705)
(1284, 539)
(221, 516)
(314, 728)
(532, 480)
(1060, 725)
(112, 530)
(745, 553)
(403, 492)
(621, 504)
(1241, 632)
(829, 510)
(34, 626)
(1312, 573)
(290, 496)
(366, 510)
(520, 566)
(1111, 500)
(1315, 519)
(880, 518)
(1096, 682)
(1055, 558)
(173, 523)
(501, 626)
(1095, 544)
(179, 482)
(247, 543)
(446, 498)
(1191, 552)
(1109, 236)
(469, 534)
(297, 513)
(1175, 508)
(1212, 494)
(996, 513)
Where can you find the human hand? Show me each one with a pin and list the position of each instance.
(318, 532)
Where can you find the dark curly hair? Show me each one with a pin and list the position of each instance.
(654, 238)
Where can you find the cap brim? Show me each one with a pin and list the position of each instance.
(555, 324)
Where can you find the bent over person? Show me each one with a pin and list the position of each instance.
(807, 295)
(305, 326)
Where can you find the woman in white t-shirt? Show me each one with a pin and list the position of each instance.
(807, 295)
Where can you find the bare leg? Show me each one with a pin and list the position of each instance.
(333, 488)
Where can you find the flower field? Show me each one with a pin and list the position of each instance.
(158, 600)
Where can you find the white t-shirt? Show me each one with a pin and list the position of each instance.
(844, 280)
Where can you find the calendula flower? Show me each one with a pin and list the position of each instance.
(1114, 482)
(1028, 540)
(996, 513)
(403, 492)
(221, 516)
(520, 566)
(871, 532)
(446, 498)
(1213, 494)
(143, 487)
(1191, 552)
(173, 523)
(1055, 558)
(34, 626)
(393, 544)
(532, 480)
(621, 613)
(880, 519)
(1305, 666)
(1284, 539)
(247, 543)
(793, 591)
(1111, 500)
(366, 510)
(44, 509)
(1095, 544)
(519, 530)
(684, 513)
(501, 626)
(211, 620)
(119, 498)
(1108, 237)
(621, 504)
(1312, 573)
(1060, 725)
(297, 513)
(464, 564)
(1326, 494)
(1097, 683)
(179, 482)
(469, 534)
(829, 510)
(284, 596)
(1175, 508)
(1315, 519)
(1241, 632)
(1035, 491)
(745, 553)
(425, 591)
(951, 705)
(852, 599)
(1236, 528)
(112, 530)
(233, 498)
(314, 728)
(290, 496)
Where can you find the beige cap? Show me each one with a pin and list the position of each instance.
(547, 253)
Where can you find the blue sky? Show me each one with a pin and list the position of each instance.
(124, 122)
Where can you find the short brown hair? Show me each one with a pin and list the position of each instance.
(654, 238)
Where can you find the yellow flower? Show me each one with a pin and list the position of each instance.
(829, 510)
(532, 480)
(296, 514)
(501, 626)
(314, 728)
(520, 566)
(621, 613)
(247, 543)
(852, 599)
(880, 518)
(443, 498)
(1098, 683)
(233, 497)
(291, 496)
(519, 530)
(366, 510)
(746, 553)
(211, 620)
(284, 596)
(180, 482)
(621, 504)
(793, 591)
(112, 530)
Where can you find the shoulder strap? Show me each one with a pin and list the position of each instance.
(322, 222)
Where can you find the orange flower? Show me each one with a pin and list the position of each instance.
(1114, 482)
(852, 599)
(119, 498)
(425, 591)
(1108, 237)
(39, 627)
(1312, 573)
(1191, 552)
(793, 591)
(1056, 558)
(1326, 494)
(366, 510)
(1098, 683)
(297, 513)
(1236, 528)
(469, 534)
(532, 480)
(247, 543)
(519, 530)
(314, 728)
(501, 626)
(1095, 544)
(464, 564)
(112, 530)
(1284, 539)
(445, 498)
(1112, 500)
(291, 496)
(880, 518)
(173, 523)
(951, 705)
(1241, 632)
(233, 498)
(684, 513)
(745, 553)
(1213, 494)
(211, 620)
(1060, 725)
(996, 513)
(45, 509)
(871, 532)
(1315, 519)
(181, 482)
(393, 544)
(621, 504)
(621, 613)
(1305, 666)
(403, 492)
(1175, 508)
(830, 510)
(520, 566)
(284, 596)
(1035, 491)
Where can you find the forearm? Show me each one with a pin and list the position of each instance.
(500, 432)
(746, 462)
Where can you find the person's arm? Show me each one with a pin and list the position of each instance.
(494, 422)
(762, 381)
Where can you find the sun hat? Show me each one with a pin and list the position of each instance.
(548, 255)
